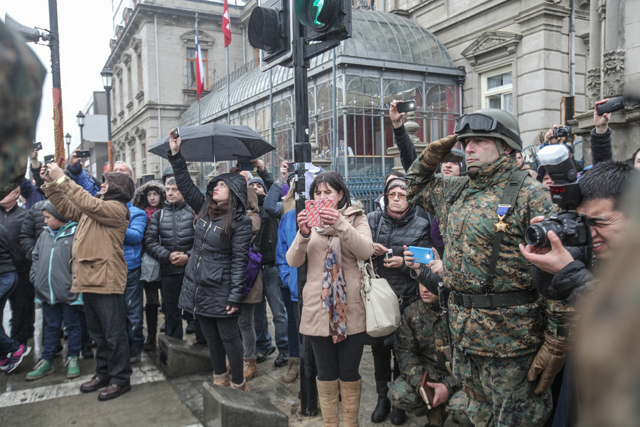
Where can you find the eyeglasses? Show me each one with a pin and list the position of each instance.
(400, 196)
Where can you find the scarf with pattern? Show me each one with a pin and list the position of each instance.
(334, 286)
(150, 210)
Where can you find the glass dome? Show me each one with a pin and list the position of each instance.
(376, 36)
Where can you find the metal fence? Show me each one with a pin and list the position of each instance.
(365, 187)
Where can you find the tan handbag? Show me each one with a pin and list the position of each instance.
(380, 302)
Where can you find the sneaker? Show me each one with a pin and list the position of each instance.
(281, 360)
(135, 356)
(73, 367)
(5, 363)
(42, 369)
(17, 357)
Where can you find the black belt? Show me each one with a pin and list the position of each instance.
(506, 299)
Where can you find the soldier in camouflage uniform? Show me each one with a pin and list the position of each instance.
(498, 325)
(419, 345)
(21, 79)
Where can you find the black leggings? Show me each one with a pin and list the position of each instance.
(223, 339)
(338, 361)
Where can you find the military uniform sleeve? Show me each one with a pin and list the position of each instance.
(407, 350)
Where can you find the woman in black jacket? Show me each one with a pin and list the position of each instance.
(215, 276)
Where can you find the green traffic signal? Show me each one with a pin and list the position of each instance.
(317, 14)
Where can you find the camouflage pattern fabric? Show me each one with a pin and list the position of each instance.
(418, 345)
(468, 228)
(21, 79)
(511, 401)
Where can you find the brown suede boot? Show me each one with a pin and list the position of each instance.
(350, 392)
(243, 386)
(328, 394)
(250, 368)
(222, 380)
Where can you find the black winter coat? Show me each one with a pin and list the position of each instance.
(32, 228)
(170, 230)
(217, 269)
(6, 264)
(410, 230)
(12, 221)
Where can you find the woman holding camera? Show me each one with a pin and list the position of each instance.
(216, 272)
(333, 314)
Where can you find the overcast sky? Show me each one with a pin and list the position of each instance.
(85, 28)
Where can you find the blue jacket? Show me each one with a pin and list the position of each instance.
(286, 234)
(137, 221)
(133, 237)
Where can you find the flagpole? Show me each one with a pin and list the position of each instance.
(199, 119)
(228, 91)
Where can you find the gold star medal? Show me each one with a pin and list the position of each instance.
(502, 212)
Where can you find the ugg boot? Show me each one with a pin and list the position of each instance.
(350, 392)
(328, 395)
(222, 380)
(292, 370)
(250, 368)
(243, 386)
(151, 311)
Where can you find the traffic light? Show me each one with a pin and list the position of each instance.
(324, 19)
(270, 31)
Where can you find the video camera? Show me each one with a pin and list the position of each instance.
(570, 227)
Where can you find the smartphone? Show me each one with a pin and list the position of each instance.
(175, 133)
(37, 146)
(406, 106)
(245, 165)
(389, 254)
(614, 104)
(291, 166)
(313, 208)
(83, 153)
(48, 159)
(422, 255)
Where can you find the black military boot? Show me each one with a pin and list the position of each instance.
(384, 404)
(398, 416)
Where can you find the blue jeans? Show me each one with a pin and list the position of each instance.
(133, 303)
(8, 282)
(271, 289)
(53, 315)
(292, 326)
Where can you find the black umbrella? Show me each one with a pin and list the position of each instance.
(216, 142)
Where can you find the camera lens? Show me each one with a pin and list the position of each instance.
(535, 236)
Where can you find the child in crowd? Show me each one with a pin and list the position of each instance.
(51, 278)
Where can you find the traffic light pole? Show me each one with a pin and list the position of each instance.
(302, 155)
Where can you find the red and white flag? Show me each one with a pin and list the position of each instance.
(226, 25)
(199, 69)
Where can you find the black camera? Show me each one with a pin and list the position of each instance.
(175, 133)
(562, 132)
(48, 159)
(83, 153)
(571, 228)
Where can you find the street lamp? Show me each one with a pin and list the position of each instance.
(107, 83)
(80, 118)
(67, 139)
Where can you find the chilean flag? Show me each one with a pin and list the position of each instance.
(226, 25)
(199, 69)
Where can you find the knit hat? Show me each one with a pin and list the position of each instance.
(397, 183)
(48, 206)
(259, 181)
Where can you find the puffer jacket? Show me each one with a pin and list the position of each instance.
(133, 237)
(12, 221)
(98, 264)
(32, 228)
(6, 265)
(170, 230)
(51, 268)
(410, 230)
(217, 269)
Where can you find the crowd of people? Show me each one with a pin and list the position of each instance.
(487, 325)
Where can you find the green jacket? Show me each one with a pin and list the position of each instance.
(415, 345)
(468, 229)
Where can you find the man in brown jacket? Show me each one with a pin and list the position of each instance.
(99, 269)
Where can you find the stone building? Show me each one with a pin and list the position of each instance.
(153, 60)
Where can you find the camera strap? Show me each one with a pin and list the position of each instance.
(508, 200)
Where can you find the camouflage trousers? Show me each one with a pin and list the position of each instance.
(403, 396)
(498, 392)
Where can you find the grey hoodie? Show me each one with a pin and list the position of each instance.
(51, 267)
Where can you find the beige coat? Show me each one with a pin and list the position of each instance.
(356, 244)
(255, 293)
(98, 254)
